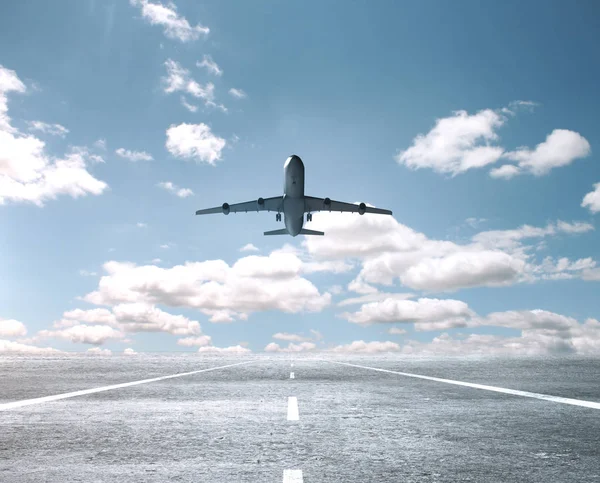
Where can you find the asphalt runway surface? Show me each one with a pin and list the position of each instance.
(297, 419)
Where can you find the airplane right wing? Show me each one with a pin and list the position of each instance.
(312, 205)
(261, 204)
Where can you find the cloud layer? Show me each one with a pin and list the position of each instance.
(27, 172)
(174, 26)
(466, 141)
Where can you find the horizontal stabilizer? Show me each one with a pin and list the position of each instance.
(304, 231)
(277, 232)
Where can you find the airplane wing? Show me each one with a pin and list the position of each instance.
(312, 204)
(261, 204)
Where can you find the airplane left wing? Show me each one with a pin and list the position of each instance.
(261, 204)
(312, 204)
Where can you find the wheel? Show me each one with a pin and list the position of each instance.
(309, 217)
(278, 217)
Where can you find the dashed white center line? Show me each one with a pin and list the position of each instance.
(292, 409)
(514, 392)
(56, 397)
(292, 375)
(292, 476)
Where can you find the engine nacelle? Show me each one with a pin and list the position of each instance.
(327, 203)
(362, 208)
(261, 203)
(225, 208)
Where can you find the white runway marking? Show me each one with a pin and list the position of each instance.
(292, 409)
(514, 392)
(56, 397)
(291, 375)
(292, 476)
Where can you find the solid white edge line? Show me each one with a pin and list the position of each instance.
(514, 392)
(292, 476)
(56, 397)
(292, 413)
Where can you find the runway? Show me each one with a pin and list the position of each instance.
(298, 419)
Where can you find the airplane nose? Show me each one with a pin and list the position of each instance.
(294, 160)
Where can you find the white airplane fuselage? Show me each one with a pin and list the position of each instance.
(293, 194)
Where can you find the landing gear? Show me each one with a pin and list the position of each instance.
(278, 217)
(308, 217)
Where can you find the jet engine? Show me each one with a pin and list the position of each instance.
(225, 208)
(327, 203)
(362, 208)
(261, 203)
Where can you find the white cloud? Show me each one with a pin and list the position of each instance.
(360, 346)
(316, 334)
(463, 269)
(290, 337)
(142, 317)
(87, 273)
(237, 349)
(456, 143)
(592, 275)
(129, 352)
(358, 285)
(421, 310)
(139, 224)
(181, 192)
(98, 351)
(194, 141)
(475, 222)
(336, 289)
(592, 199)
(511, 239)
(200, 341)
(133, 155)
(85, 334)
(27, 172)
(462, 141)
(12, 328)
(374, 297)
(9, 347)
(132, 317)
(249, 248)
(187, 105)
(52, 129)
(291, 347)
(541, 333)
(390, 251)
(237, 93)
(333, 266)
(100, 144)
(396, 331)
(560, 148)
(178, 79)
(9, 82)
(506, 171)
(210, 65)
(252, 284)
(175, 26)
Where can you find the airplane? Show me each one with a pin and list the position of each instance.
(293, 204)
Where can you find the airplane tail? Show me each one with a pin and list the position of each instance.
(283, 231)
(304, 231)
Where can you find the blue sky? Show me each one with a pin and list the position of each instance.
(149, 111)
